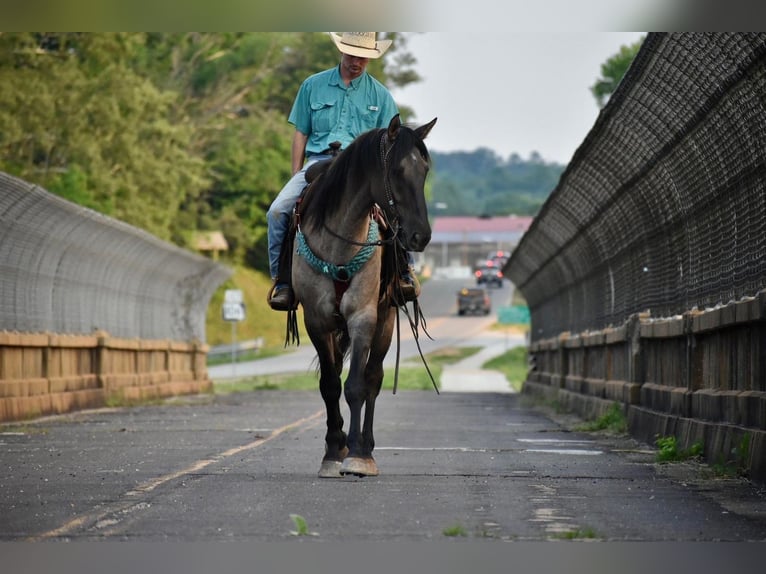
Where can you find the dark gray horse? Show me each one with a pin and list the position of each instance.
(364, 210)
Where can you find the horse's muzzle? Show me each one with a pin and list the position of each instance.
(417, 241)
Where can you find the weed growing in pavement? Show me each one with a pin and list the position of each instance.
(613, 420)
(737, 464)
(22, 429)
(117, 401)
(301, 526)
(669, 451)
(454, 530)
(577, 534)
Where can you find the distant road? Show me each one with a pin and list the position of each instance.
(439, 303)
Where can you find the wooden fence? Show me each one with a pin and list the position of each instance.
(42, 374)
(700, 377)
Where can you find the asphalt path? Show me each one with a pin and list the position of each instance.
(469, 465)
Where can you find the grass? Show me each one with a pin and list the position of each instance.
(577, 534)
(410, 377)
(253, 355)
(454, 530)
(260, 321)
(737, 464)
(513, 364)
(116, 401)
(613, 420)
(301, 526)
(22, 428)
(669, 450)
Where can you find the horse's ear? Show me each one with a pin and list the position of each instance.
(393, 127)
(423, 131)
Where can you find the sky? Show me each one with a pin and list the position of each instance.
(513, 92)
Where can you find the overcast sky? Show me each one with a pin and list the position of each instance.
(511, 92)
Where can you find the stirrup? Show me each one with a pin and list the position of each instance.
(282, 299)
(404, 291)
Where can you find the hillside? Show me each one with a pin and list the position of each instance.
(482, 183)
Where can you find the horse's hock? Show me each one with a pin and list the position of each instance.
(645, 271)
(83, 326)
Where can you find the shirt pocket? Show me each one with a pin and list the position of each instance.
(368, 118)
(323, 116)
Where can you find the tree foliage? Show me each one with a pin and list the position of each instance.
(612, 72)
(482, 183)
(184, 132)
(172, 132)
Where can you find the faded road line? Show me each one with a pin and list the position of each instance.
(98, 517)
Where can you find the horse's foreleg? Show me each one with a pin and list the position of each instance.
(374, 376)
(374, 380)
(363, 389)
(330, 388)
(359, 460)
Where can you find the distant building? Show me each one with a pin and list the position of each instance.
(211, 242)
(462, 241)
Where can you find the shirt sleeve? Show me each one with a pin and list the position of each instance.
(300, 114)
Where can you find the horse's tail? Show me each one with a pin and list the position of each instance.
(342, 344)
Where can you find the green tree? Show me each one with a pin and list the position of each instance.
(77, 119)
(612, 72)
(482, 183)
(171, 132)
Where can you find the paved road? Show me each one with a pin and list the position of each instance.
(482, 466)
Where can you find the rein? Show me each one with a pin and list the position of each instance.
(378, 215)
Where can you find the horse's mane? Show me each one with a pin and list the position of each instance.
(325, 196)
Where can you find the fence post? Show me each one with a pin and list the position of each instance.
(102, 362)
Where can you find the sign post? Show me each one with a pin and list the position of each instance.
(233, 311)
(512, 314)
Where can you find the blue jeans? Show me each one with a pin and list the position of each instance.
(281, 211)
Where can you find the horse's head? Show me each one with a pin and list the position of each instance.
(406, 163)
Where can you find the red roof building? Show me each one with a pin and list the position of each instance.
(466, 241)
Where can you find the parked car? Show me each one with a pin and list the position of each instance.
(473, 300)
(489, 276)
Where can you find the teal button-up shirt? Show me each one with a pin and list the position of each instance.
(326, 110)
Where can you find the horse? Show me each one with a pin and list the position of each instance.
(364, 210)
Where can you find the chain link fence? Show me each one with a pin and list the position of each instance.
(663, 206)
(68, 269)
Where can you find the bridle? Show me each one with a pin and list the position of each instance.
(386, 218)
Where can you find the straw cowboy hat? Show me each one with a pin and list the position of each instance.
(360, 44)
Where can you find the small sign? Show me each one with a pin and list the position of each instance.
(516, 314)
(233, 296)
(233, 305)
(233, 311)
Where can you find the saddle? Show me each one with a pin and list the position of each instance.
(397, 258)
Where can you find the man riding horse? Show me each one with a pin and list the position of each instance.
(336, 105)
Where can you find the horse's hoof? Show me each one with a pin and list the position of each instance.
(359, 466)
(330, 469)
